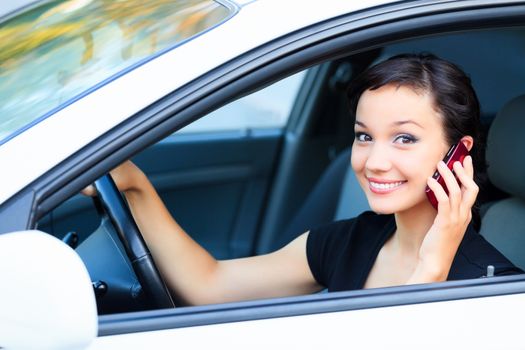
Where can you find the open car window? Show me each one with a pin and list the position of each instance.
(221, 186)
(268, 108)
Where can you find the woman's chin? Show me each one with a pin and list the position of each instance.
(391, 207)
(382, 209)
(386, 207)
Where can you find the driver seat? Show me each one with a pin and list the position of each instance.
(503, 223)
(337, 195)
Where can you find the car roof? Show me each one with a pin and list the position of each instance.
(61, 134)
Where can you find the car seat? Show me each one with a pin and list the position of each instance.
(336, 196)
(503, 223)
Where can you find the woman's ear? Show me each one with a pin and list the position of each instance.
(468, 141)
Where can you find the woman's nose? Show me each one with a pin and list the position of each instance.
(378, 159)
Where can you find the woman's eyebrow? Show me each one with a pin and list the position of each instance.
(402, 122)
(398, 123)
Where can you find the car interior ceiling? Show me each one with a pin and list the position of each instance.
(493, 59)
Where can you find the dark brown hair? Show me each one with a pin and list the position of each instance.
(452, 93)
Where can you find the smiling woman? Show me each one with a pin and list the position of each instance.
(56, 51)
(408, 111)
(426, 105)
(402, 131)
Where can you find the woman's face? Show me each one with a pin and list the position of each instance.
(399, 141)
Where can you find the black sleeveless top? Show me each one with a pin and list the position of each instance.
(342, 254)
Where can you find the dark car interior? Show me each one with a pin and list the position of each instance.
(250, 191)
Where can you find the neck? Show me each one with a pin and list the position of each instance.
(412, 227)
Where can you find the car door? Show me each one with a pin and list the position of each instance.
(455, 324)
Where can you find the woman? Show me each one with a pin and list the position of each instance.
(409, 110)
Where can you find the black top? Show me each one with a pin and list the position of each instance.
(342, 254)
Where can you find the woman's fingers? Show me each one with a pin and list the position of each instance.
(468, 166)
(459, 198)
(89, 191)
(454, 191)
(441, 195)
(465, 174)
(123, 175)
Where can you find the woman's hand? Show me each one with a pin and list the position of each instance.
(127, 176)
(454, 215)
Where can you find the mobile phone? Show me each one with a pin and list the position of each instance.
(456, 153)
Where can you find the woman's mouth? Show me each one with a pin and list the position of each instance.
(383, 186)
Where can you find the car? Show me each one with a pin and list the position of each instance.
(236, 110)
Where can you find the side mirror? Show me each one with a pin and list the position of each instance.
(46, 296)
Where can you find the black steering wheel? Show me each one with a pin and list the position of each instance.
(137, 251)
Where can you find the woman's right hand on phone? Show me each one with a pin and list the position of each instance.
(453, 217)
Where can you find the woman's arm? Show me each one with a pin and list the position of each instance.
(191, 272)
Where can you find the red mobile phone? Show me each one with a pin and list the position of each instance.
(456, 153)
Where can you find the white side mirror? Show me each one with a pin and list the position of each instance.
(46, 295)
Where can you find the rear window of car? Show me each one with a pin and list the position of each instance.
(52, 52)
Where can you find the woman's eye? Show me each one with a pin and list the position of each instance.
(362, 137)
(405, 139)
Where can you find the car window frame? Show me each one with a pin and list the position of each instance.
(249, 124)
(241, 76)
(267, 64)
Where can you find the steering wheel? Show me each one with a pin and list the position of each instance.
(136, 250)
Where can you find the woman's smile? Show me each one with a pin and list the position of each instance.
(380, 186)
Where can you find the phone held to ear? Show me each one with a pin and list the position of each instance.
(456, 153)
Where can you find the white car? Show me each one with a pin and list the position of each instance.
(237, 112)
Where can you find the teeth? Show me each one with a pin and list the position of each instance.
(383, 186)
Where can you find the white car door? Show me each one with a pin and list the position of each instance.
(481, 323)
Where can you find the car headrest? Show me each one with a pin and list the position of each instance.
(505, 142)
